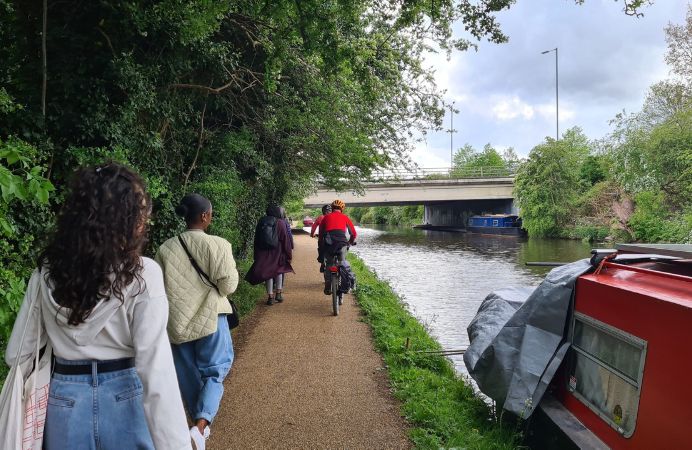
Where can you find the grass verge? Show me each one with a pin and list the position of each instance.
(442, 408)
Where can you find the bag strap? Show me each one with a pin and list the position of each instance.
(26, 325)
(200, 272)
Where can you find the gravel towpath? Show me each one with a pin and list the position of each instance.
(305, 379)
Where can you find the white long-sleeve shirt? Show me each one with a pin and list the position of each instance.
(114, 330)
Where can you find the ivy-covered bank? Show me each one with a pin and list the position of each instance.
(442, 408)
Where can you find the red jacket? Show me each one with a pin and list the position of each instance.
(337, 221)
(316, 224)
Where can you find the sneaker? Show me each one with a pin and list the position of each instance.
(270, 301)
(328, 290)
(279, 298)
(199, 440)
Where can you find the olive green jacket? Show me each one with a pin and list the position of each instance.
(194, 305)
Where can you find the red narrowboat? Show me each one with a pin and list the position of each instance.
(630, 335)
(602, 347)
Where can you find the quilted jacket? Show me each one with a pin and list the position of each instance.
(193, 305)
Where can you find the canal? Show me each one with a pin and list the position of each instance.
(443, 277)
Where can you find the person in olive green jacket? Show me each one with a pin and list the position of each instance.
(198, 304)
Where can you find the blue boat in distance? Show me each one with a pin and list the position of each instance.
(506, 224)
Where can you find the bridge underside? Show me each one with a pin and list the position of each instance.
(448, 203)
(418, 193)
(456, 214)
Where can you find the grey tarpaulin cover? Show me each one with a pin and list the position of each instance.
(517, 339)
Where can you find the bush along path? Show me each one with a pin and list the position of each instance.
(442, 408)
(303, 378)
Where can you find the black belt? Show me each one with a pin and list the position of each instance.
(101, 367)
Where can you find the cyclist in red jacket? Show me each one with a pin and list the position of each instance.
(333, 228)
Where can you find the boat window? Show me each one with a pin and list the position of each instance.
(606, 373)
(495, 222)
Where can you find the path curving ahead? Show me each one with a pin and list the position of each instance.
(305, 379)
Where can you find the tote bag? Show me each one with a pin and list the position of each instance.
(23, 404)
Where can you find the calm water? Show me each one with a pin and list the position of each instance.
(443, 277)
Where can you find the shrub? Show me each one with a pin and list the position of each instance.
(653, 222)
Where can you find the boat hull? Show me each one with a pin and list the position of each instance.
(656, 309)
(506, 231)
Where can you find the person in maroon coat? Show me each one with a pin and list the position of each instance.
(272, 256)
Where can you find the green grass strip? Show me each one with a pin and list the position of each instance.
(442, 408)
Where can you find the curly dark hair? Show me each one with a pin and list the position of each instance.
(95, 251)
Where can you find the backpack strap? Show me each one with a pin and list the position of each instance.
(200, 272)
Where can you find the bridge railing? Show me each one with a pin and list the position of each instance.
(445, 173)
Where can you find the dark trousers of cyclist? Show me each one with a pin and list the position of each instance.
(328, 254)
(320, 252)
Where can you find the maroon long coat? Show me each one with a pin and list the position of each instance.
(270, 263)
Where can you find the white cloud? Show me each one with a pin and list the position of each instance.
(426, 158)
(511, 108)
(547, 111)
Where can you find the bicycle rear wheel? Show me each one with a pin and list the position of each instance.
(335, 293)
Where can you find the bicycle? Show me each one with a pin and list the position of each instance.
(333, 265)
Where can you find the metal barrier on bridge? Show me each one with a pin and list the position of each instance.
(444, 174)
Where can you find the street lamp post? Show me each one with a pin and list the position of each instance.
(451, 135)
(557, 101)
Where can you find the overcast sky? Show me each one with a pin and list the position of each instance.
(505, 93)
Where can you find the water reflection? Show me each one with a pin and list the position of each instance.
(443, 277)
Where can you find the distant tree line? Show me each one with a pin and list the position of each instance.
(388, 215)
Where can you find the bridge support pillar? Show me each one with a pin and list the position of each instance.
(456, 214)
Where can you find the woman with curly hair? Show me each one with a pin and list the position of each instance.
(104, 310)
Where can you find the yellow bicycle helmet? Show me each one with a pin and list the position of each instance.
(338, 204)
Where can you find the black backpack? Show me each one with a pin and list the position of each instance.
(267, 233)
(348, 278)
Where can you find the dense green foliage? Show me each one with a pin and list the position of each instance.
(547, 183)
(388, 215)
(443, 408)
(636, 184)
(470, 162)
(25, 193)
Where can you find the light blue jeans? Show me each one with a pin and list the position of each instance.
(201, 366)
(101, 412)
(276, 283)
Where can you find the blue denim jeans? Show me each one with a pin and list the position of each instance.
(201, 366)
(87, 412)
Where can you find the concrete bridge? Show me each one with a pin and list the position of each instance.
(449, 201)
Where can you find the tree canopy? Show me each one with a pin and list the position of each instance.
(469, 161)
(547, 183)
